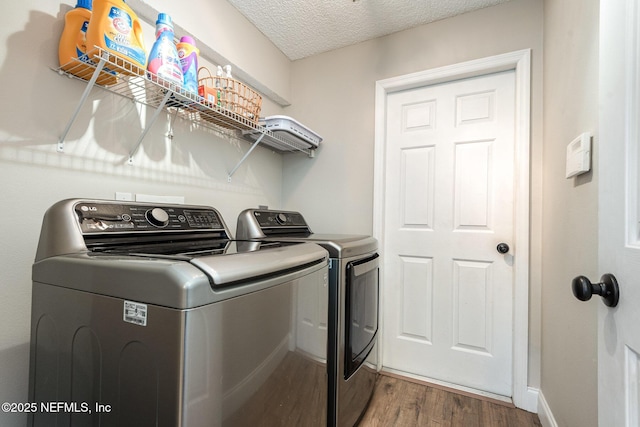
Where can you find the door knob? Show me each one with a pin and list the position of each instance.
(502, 248)
(607, 288)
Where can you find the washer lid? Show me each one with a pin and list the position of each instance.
(235, 268)
(244, 261)
(180, 281)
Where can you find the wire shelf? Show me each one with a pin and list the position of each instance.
(141, 86)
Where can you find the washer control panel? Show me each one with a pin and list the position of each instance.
(102, 217)
(269, 219)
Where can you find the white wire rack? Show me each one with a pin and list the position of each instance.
(139, 85)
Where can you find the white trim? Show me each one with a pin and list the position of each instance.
(544, 412)
(520, 62)
(530, 400)
(632, 128)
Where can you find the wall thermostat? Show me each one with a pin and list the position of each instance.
(579, 155)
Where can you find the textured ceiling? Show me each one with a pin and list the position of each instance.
(301, 28)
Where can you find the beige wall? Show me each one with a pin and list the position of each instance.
(570, 218)
(334, 93)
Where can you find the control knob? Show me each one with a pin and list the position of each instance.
(281, 219)
(157, 217)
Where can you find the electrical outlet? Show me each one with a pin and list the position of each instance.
(127, 197)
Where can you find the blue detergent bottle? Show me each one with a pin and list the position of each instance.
(163, 59)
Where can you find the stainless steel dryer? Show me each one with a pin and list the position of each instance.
(147, 315)
(352, 305)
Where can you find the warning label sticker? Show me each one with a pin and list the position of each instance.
(135, 312)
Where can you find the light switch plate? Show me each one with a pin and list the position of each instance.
(579, 155)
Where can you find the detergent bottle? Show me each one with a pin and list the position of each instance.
(219, 93)
(163, 59)
(73, 44)
(115, 28)
(188, 54)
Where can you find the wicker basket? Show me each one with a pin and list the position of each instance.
(227, 95)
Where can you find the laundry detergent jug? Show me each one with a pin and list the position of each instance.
(116, 29)
(163, 59)
(73, 45)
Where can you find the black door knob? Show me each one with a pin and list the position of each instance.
(502, 248)
(607, 288)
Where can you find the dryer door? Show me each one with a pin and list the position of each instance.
(361, 311)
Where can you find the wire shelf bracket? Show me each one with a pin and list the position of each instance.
(255, 144)
(83, 98)
(150, 123)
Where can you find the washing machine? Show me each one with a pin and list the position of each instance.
(352, 305)
(152, 315)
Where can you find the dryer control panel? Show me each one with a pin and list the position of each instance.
(279, 219)
(260, 223)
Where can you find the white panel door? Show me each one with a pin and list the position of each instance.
(619, 213)
(449, 192)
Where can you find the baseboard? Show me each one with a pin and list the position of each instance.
(544, 412)
(529, 400)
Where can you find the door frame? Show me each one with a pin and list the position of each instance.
(523, 396)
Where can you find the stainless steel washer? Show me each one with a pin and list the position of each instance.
(148, 315)
(352, 305)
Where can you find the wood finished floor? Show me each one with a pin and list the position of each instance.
(400, 403)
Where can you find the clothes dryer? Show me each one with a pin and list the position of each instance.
(352, 305)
